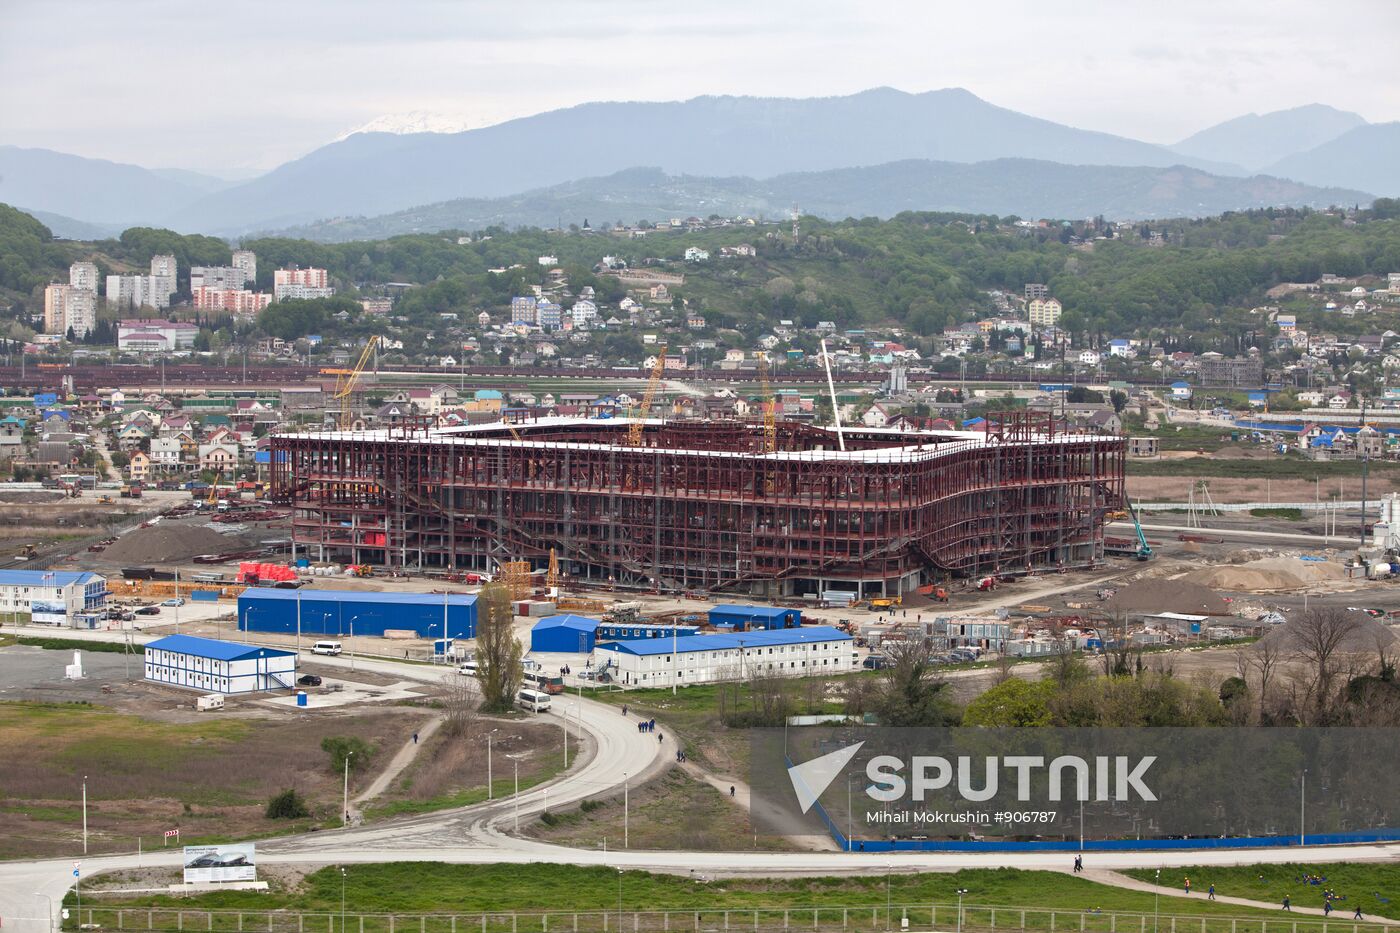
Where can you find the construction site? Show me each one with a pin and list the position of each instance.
(773, 508)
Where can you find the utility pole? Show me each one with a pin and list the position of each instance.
(1365, 467)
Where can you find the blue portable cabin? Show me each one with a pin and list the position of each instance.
(566, 634)
(741, 618)
(343, 612)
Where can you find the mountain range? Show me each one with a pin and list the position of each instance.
(1025, 187)
(759, 148)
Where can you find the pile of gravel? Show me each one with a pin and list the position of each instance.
(167, 542)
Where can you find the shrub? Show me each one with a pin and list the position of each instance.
(287, 805)
(341, 748)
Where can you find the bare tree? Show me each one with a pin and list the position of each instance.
(459, 707)
(1319, 639)
(1264, 657)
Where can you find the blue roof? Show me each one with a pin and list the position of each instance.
(45, 577)
(1181, 385)
(756, 612)
(482, 395)
(787, 636)
(211, 648)
(362, 596)
(577, 623)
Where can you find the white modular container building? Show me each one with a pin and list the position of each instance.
(211, 666)
(700, 659)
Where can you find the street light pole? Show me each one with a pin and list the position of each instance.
(346, 792)
(489, 793)
(50, 904)
(619, 900)
(626, 844)
(1156, 896)
(516, 795)
(887, 895)
(85, 833)
(342, 899)
(1303, 811)
(961, 892)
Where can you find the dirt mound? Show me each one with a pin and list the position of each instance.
(1353, 632)
(30, 496)
(170, 542)
(1273, 573)
(1179, 595)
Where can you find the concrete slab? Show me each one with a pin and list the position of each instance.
(351, 694)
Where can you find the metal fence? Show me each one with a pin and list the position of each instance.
(865, 919)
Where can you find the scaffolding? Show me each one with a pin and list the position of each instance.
(702, 505)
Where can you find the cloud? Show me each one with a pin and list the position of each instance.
(150, 81)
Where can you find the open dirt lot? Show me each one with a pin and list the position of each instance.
(1238, 489)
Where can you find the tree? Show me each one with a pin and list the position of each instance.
(1319, 638)
(498, 651)
(1014, 702)
(912, 694)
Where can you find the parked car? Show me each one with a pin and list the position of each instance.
(309, 680)
(468, 667)
(174, 601)
(148, 611)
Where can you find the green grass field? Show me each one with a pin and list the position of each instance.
(436, 887)
(1361, 883)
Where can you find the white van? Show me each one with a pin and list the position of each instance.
(469, 667)
(326, 647)
(536, 701)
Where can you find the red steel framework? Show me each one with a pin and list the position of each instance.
(700, 506)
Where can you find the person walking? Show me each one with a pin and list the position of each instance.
(1187, 883)
(1287, 903)
(731, 790)
(1357, 915)
(1078, 864)
(624, 709)
(415, 738)
(1327, 908)
(1210, 892)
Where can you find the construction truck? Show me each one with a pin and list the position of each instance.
(880, 603)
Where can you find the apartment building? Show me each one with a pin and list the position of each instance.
(233, 301)
(138, 291)
(1045, 312)
(229, 278)
(246, 260)
(84, 275)
(68, 308)
(301, 283)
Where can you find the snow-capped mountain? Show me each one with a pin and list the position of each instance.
(415, 121)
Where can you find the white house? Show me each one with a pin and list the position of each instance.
(696, 254)
(211, 666)
(58, 597)
(816, 650)
(1090, 357)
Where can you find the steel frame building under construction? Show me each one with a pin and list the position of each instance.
(705, 505)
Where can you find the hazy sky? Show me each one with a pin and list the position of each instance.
(242, 86)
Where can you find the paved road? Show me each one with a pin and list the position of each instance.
(1243, 534)
(1200, 887)
(479, 834)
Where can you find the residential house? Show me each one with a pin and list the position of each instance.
(166, 455)
(218, 457)
(138, 469)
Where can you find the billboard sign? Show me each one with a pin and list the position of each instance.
(212, 864)
(48, 612)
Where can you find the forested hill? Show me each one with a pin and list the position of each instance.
(921, 270)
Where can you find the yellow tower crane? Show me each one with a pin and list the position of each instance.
(347, 379)
(634, 430)
(770, 409)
